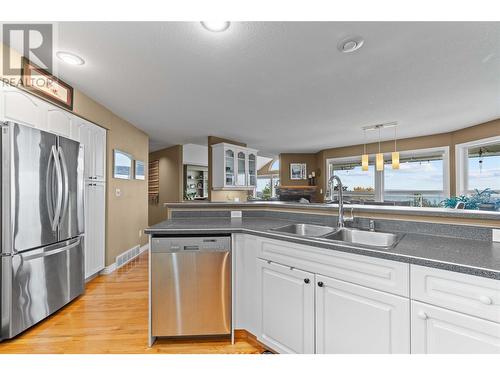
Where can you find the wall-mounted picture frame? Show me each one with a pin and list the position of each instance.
(40, 82)
(140, 170)
(122, 165)
(298, 171)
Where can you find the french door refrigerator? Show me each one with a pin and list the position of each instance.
(42, 225)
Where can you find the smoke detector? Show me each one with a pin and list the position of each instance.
(350, 44)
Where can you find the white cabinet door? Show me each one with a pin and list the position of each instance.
(354, 319)
(99, 146)
(59, 122)
(286, 308)
(85, 135)
(23, 108)
(95, 200)
(246, 295)
(440, 331)
(93, 139)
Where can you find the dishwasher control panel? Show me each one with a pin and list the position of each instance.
(176, 244)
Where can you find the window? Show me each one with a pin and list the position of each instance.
(478, 171)
(266, 187)
(358, 185)
(421, 181)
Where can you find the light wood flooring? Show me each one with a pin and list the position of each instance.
(112, 317)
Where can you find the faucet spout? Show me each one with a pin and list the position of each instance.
(331, 181)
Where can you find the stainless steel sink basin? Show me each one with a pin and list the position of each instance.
(305, 230)
(364, 237)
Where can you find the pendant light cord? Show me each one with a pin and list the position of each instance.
(379, 140)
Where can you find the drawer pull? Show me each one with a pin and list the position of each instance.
(422, 315)
(485, 300)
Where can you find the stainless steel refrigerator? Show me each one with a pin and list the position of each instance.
(42, 225)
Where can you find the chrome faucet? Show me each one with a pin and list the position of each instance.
(333, 178)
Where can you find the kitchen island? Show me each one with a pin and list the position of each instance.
(299, 294)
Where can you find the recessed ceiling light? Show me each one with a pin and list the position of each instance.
(70, 58)
(350, 44)
(216, 26)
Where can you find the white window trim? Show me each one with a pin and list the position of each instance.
(462, 164)
(379, 180)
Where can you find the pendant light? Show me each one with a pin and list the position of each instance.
(379, 158)
(395, 154)
(364, 157)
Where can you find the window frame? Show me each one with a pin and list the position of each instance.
(462, 162)
(380, 176)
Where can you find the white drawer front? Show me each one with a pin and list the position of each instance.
(469, 294)
(440, 331)
(386, 275)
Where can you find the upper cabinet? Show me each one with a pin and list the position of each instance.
(21, 107)
(60, 122)
(233, 167)
(24, 108)
(93, 139)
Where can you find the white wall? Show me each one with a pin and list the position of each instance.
(195, 154)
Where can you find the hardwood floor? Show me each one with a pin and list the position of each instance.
(112, 317)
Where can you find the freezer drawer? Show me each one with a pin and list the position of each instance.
(37, 283)
(191, 293)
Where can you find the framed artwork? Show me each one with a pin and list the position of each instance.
(298, 171)
(42, 83)
(140, 170)
(122, 167)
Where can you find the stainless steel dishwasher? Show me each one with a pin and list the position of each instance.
(190, 286)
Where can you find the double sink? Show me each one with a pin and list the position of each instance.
(382, 240)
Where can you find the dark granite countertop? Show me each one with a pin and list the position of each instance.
(481, 258)
(358, 208)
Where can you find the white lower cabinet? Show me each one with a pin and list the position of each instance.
(294, 308)
(286, 308)
(95, 203)
(440, 331)
(355, 319)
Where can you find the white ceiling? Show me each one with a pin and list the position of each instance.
(284, 86)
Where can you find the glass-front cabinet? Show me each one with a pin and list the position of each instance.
(229, 162)
(241, 179)
(233, 167)
(252, 169)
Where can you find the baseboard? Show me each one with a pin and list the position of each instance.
(114, 266)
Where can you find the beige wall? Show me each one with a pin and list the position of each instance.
(287, 159)
(127, 215)
(451, 139)
(171, 181)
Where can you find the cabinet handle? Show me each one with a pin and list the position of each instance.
(422, 315)
(307, 281)
(486, 300)
(320, 284)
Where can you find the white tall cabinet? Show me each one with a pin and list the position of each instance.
(93, 139)
(95, 199)
(24, 108)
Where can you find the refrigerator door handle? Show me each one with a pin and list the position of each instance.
(26, 256)
(49, 189)
(57, 165)
(66, 185)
